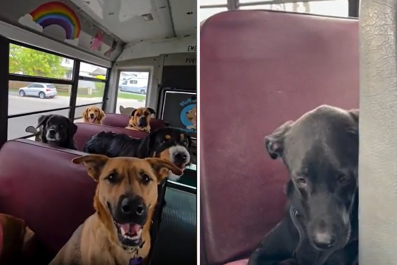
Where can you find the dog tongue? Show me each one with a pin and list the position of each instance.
(91, 119)
(131, 229)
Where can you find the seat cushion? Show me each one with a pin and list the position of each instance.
(41, 186)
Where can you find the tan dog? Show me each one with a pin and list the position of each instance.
(93, 115)
(125, 198)
(126, 111)
(192, 117)
(140, 119)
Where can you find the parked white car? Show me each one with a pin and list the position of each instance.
(41, 90)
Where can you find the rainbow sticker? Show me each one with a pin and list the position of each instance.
(54, 13)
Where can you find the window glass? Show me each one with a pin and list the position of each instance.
(132, 90)
(89, 92)
(24, 97)
(26, 61)
(208, 12)
(17, 126)
(90, 70)
(339, 8)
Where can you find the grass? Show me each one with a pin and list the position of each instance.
(99, 94)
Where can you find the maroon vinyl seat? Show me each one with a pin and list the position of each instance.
(121, 120)
(41, 185)
(86, 130)
(271, 67)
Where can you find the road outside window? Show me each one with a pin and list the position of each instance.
(132, 90)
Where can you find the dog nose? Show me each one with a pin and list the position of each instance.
(180, 158)
(51, 132)
(133, 206)
(324, 240)
(91, 115)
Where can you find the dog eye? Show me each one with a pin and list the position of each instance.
(145, 179)
(111, 178)
(342, 178)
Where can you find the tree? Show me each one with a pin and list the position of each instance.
(27, 61)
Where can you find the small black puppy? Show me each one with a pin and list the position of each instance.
(168, 143)
(57, 131)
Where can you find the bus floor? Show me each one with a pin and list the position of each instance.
(177, 237)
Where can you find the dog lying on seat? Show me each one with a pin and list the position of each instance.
(93, 115)
(140, 119)
(170, 144)
(57, 131)
(124, 202)
(320, 226)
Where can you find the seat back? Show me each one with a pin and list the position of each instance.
(41, 185)
(86, 130)
(271, 67)
(121, 120)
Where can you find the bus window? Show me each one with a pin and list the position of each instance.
(132, 90)
(338, 8)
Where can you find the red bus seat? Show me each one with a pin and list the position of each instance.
(270, 67)
(121, 120)
(41, 185)
(86, 130)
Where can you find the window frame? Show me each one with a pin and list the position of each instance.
(5, 45)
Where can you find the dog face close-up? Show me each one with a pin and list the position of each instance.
(320, 150)
(141, 117)
(56, 129)
(93, 115)
(170, 144)
(126, 193)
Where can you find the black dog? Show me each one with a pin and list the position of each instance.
(57, 130)
(320, 227)
(167, 143)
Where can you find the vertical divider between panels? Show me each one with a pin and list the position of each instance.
(73, 92)
(4, 72)
(107, 87)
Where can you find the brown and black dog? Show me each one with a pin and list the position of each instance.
(140, 119)
(125, 199)
(93, 115)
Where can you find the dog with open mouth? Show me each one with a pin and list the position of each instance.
(119, 230)
(57, 131)
(170, 144)
(140, 119)
(320, 226)
(93, 115)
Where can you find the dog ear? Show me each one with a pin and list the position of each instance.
(93, 163)
(42, 120)
(102, 114)
(146, 147)
(151, 111)
(162, 167)
(275, 142)
(133, 113)
(31, 129)
(355, 113)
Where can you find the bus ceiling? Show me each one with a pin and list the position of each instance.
(101, 31)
